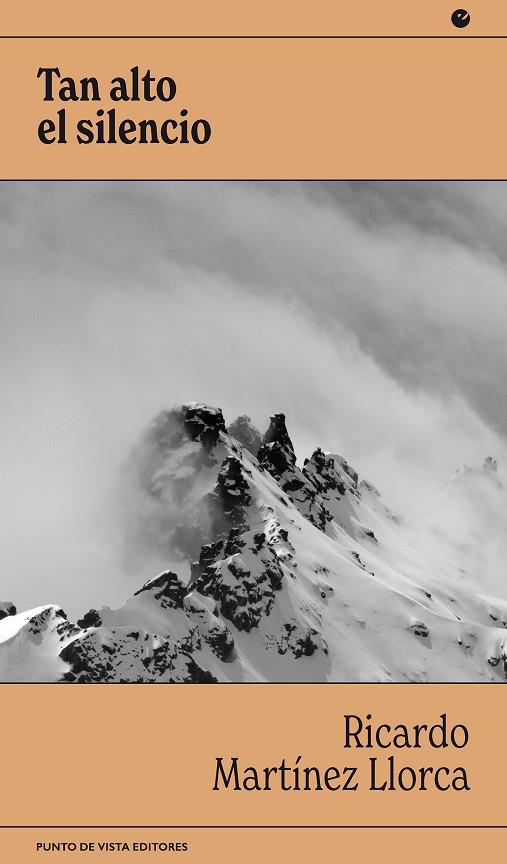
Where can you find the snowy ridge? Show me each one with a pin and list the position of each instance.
(297, 574)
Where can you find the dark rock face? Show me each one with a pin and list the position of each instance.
(243, 430)
(245, 556)
(196, 675)
(338, 491)
(108, 650)
(244, 595)
(299, 641)
(336, 485)
(37, 623)
(276, 453)
(170, 431)
(210, 553)
(90, 619)
(229, 500)
(167, 589)
(420, 629)
(221, 643)
(320, 470)
(203, 423)
(194, 422)
(6, 609)
(243, 583)
(277, 434)
(50, 619)
(277, 456)
(78, 655)
(134, 656)
(180, 667)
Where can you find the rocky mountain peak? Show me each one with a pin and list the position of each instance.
(203, 423)
(229, 500)
(298, 574)
(276, 433)
(276, 453)
(170, 431)
(6, 608)
(321, 470)
(166, 588)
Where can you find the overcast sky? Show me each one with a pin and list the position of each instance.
(373, 314)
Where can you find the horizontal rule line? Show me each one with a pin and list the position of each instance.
(258, 827)
(253, 36)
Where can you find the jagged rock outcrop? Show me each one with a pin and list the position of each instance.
(134, 657)
(321, 471)
(90, 619)
(167, 589)
(229, 500)
(6, 608)
(243, 583)
(177, 445)
(276, 453)
(276, 438)
(49, 619)
(277, 456)
(299, 641)
(166, 632)
(203, 423)
(296, 574)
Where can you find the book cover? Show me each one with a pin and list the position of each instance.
(253, 432)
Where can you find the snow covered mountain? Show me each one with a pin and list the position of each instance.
(287, 573)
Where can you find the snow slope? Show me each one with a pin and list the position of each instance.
(297, 573)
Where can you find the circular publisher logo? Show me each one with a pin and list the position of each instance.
(460, 18)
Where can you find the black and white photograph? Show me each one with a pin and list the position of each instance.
(253, 431)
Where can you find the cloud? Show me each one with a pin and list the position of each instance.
(373, 316)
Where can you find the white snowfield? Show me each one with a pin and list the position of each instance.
(303, 575)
